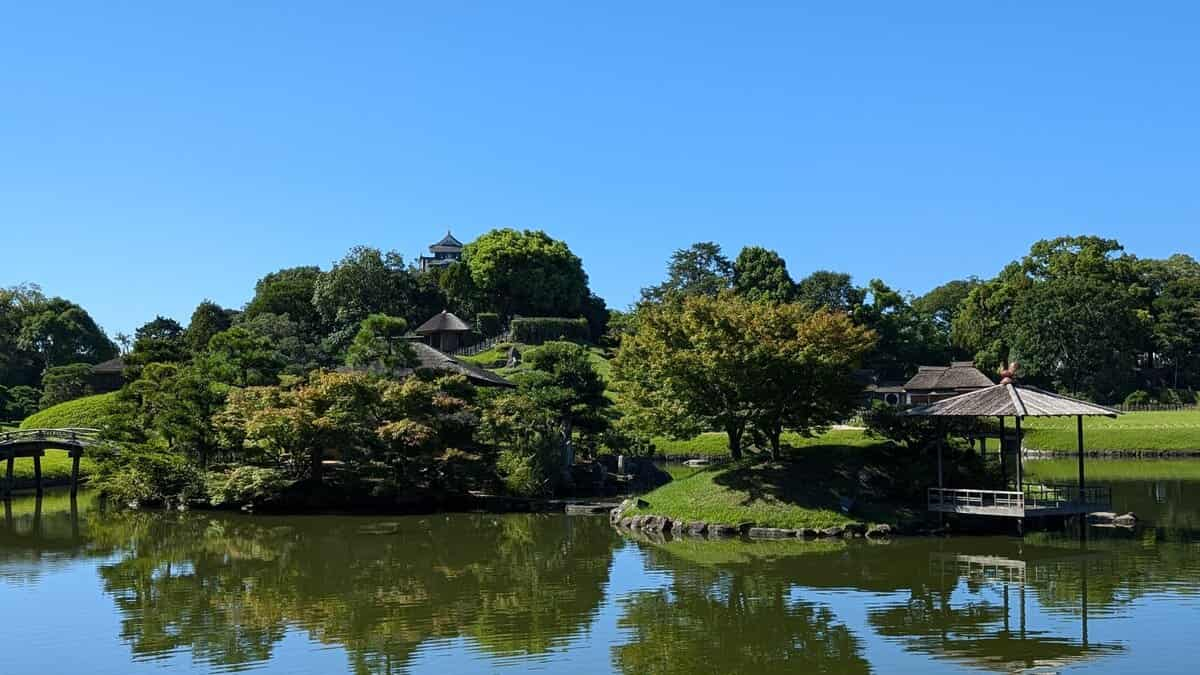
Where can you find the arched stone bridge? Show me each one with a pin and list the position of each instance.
(35, 442)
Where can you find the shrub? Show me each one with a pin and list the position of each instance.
(19, 402)
(531, 468)
(536, 330)
(1139, 397)
(89, 411)
(66, 383)
(142, 476)
(488, 324)
(246, 486)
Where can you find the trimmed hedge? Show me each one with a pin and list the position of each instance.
(89, 411)
(536, 330)
(487, 324)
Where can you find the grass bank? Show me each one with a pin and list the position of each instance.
(807, 489)
(715, 445)
(89, 411)
(1166, 432)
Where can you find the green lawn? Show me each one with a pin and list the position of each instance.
(1173, 431)
(56, 466)
(715, 445)
(804, 490)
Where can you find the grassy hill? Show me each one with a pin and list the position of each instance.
(89, 411)
(1168, 431)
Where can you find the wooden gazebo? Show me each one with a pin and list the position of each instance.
(1018, 401)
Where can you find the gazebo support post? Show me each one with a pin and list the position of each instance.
(1003, 458)
(1079, 433)
(1018, 452)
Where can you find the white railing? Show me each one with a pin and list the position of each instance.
(944, 499)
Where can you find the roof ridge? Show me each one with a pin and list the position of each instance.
(1018, 405)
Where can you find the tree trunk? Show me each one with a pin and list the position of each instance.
(568, 448)
(776, 453)
(734, 431)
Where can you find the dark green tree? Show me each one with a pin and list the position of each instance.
(208, 319)
(700, 269)
(526, 272)
(761, 274)
(380, 342)
(830, 290)
(66, 383)
(58, 332)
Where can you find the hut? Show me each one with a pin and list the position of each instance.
(444, 332)
(934, 383)
(1017, 401)
(108, 375)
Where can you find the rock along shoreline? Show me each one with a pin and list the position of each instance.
(662, 525)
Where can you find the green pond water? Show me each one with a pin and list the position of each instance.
(84, 591)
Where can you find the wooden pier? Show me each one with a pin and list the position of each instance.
(34, 443)
(1032, 501)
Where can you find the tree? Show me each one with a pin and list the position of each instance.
(906, 337)
(66, 383)
(289, 292)
(727, 363)
(18, 402)
(299, 354)
(208, 319)
(941, 306)
(1078, 334)
(564, 382)
(161, 340)
(829, 290)
(59, 331)
(243, 359)
(365, 282)
(526, 272)
(700, 269)
(380, 341)
(760, 274)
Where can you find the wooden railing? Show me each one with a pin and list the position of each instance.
(79, 435)
(942, 499)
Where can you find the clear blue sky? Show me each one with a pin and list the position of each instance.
(155, 155)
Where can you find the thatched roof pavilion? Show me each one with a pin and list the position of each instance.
(1009, 399)
(444, 331)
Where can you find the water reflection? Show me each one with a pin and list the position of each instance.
(493, 592)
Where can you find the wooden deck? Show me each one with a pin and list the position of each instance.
(1034, 501)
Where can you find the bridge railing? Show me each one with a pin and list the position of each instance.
(74, 434)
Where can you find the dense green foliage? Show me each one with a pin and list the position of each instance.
(526, 272)
(536, 330)
(728, 363)
(64, 383)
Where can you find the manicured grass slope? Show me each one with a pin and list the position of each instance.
(89, 411)
(1113, 470)
(716, 445)
(804, 490)
(1172, 431)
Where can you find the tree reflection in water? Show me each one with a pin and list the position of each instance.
(228, 588)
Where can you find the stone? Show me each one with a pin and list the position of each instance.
(587, 509)
(722, 530)
(697, 462)
(1125, 520)
(808, 533)
(1101, 517)
(677, 526)
(770, 533)
(855, 529)
(835, 531)
(627, 523)
(698, 527)
(744, 527)
(641, 503)
(879, 531)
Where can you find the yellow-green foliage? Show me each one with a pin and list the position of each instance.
(89, 411)
(1168, 431)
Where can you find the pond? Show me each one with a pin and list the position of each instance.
(87, 591)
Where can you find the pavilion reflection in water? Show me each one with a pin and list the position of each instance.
(995, 633)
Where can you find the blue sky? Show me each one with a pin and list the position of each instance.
(152, 155)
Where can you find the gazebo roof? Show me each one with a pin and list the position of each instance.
(448, 241)
(443, 323)
(1011, 400)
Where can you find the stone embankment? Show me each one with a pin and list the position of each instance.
(653, 524)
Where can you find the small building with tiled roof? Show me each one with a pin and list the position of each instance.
(108, 375)
(934, 383)
(445, 252)
(444, 331)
